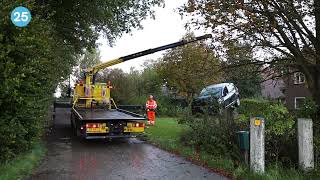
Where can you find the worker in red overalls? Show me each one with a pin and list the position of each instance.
(151, 106)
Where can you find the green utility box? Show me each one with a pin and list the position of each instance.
(243, 140)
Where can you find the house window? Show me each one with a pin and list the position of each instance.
(299, 78)
(299, 102)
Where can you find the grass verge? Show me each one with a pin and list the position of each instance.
(166, 135)
(23, 165)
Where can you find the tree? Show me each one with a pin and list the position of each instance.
(32, 62)
(247, 78)
(122, 88)
(80, 23)
(188, 69)
(132, 87)
(151, 81)
(288, 30)
(87, 60)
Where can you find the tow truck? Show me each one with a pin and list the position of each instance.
(94, 114)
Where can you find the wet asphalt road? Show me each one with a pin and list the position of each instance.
(71, 158)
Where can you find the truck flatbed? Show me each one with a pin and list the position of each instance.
(106, 115)
(106, 123)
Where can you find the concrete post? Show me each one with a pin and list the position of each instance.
(257, 144)
(305, 144)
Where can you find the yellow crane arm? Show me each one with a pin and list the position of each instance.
(98, 67)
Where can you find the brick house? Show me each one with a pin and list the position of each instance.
(292, 90)
(295, 90)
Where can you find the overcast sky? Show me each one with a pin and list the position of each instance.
(168, 27)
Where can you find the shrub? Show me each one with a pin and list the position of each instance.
(217, 134)
(166, 106)
(32, 62)
(308, 110)
(280, 138)
(212, 134)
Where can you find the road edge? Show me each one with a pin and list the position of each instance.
(23, 165)
(192, 159)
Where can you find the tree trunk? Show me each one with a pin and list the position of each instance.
(317, 19)
(314, 87)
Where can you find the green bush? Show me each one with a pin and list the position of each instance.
(22, 166)
(213, 134)
(308, 110)
(280, 137)
(253, 107)
(217, 134)
(169, 107)
(166, 106)
(32, 62)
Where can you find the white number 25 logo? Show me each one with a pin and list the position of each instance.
(23, 16)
